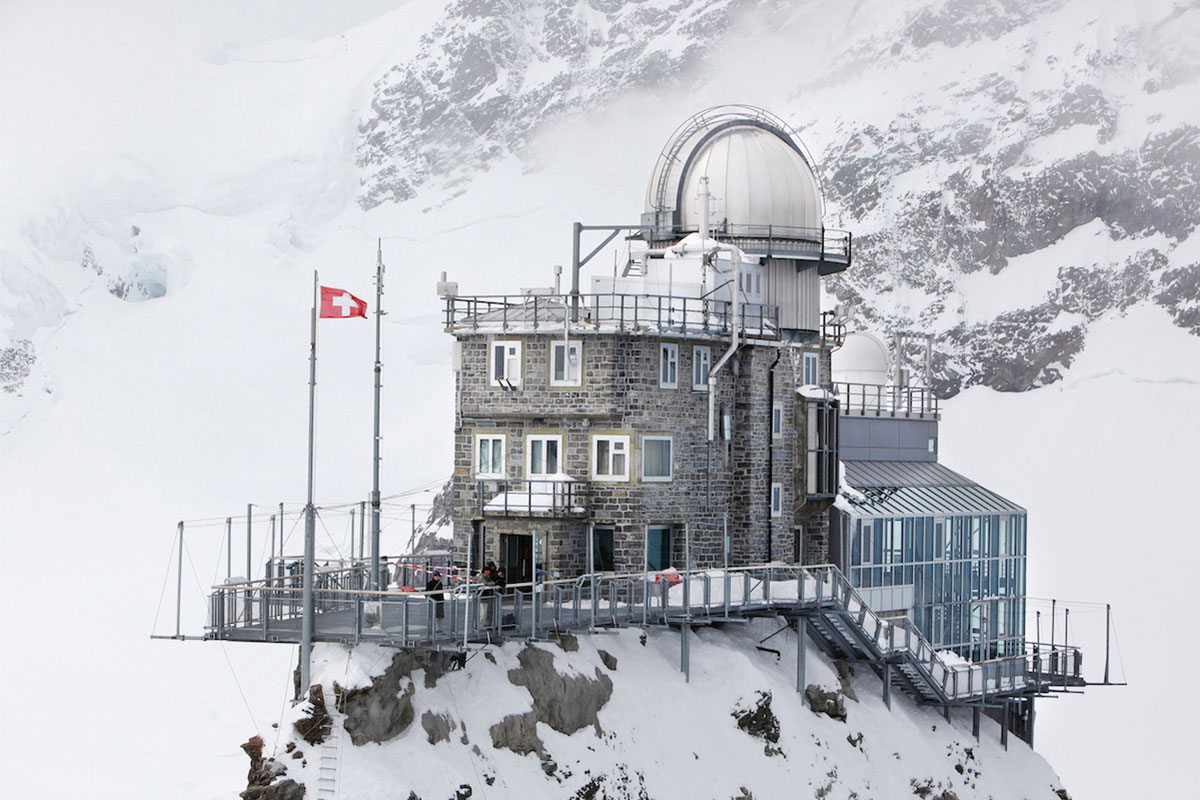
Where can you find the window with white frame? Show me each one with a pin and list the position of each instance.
(668, 366)
(610, 457)
(566, 363)
(543, 456)
(505, 363)
(777, 499)
(776, 420)
(811, 372)
(701, 362)
(656, 458)
(489, 455)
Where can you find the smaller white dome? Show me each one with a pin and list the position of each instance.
(863, 358)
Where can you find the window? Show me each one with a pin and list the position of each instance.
(505, 364)
(701, 362)
(811, 373)
(566, 363)
(777, 420)
(610, 458)
(489, 455)
(656, 458)
(668, 366)
(542, 456)
(658, 547)
(776, 499)
(603, 554)
(821, 464)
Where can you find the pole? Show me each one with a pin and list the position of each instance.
(271, 555)
(249, 572)
(466, 620)
(591, 568)
(725, 550)
(306, 626)
(412, 539)
(362, 529)
(1107, 628)
(645, 575)
(1066, 647)
(378, 387)
(179, 582)
(687, 602)
(228, 548)
(351, 537)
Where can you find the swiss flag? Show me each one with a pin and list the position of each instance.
(340, 304)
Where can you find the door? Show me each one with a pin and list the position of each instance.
(516, 557)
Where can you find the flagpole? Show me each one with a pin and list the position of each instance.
(306, 625)
(375, 577)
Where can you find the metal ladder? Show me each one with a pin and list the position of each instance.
(329, 759)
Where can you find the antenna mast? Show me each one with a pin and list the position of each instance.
(375, 577)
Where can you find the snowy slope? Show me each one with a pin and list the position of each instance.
(654, 734)
(228, 135)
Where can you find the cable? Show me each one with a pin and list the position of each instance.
(232, 671)
(163, 590)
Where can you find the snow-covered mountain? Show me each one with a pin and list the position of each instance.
(1018, 176)
(608, 717)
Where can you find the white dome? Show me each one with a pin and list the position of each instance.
(863, 358)
(759, 176)
(756, 179)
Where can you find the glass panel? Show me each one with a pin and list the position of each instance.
(560, 362)
(603, 556)
(656, 458)
(537, 457)
(602, 456)
(552, 456)
(498, 361)
(658, 547)
(618, 458)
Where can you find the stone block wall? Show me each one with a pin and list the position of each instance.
(620, 394)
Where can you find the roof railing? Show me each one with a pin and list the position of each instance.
(635, 313)
(885, 400)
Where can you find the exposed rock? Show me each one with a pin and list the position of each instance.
(16, 362)
(565, 703)
(569, 643)
(437, 727)
(823, 702)
(609, 660)
(315, 726)
(384, 710)
(517, 732)
(261, 780)
(759, 721)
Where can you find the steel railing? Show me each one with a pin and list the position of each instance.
(473, 612)
(533, 498)
(880, 399)
(622, 312)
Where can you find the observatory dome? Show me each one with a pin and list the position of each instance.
(863, 358)
(759, 176)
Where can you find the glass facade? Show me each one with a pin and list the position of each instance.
(967, 573)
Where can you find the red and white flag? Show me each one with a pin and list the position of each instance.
(340, 304)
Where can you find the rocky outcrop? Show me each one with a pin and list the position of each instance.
(384, 710)
(566, 703)
(315, 725)
(488, 75)
(261, 781)
(829, 703)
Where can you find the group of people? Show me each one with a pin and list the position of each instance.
(491, 576)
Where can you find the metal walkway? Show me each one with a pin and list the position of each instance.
(820, 600)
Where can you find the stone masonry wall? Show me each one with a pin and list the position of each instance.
(620, 394)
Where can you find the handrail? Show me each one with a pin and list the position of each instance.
(627, 598)
(885, 398)
(624, 311)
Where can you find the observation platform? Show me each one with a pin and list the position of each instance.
(608, 313)
(885, 400)
(820, 600)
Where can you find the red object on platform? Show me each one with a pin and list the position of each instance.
(340, 304)
(671, 578)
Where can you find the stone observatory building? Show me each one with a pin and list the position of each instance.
(674, 410)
